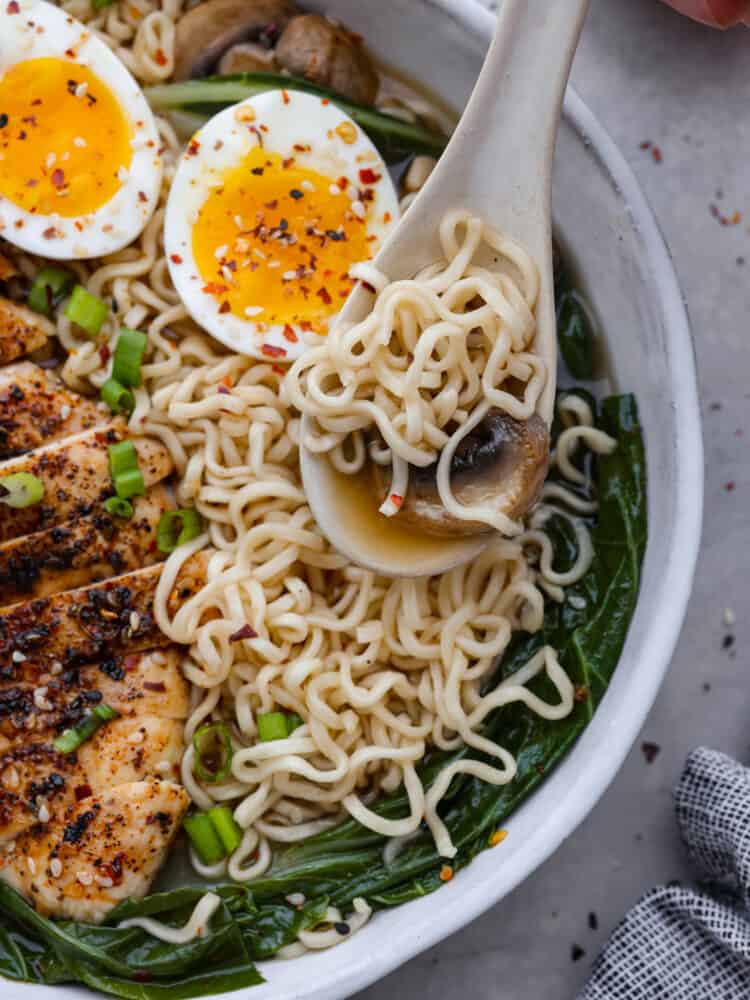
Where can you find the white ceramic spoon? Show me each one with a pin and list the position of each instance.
(498, 165)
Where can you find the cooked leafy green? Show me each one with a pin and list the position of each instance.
(253, 923)
(195, 101)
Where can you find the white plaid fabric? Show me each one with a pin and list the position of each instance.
(680, 944)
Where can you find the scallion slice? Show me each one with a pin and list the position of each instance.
(118, 397)
(50, 286)
(130, 484)
(225, 825)
(86, 310)
(272, 726)
(21, 489)
(73, 738)
(213, 752)
(122, 458)
(118, 507)
(293, 722)
(177, 527)
(126, 367)
(204, 838)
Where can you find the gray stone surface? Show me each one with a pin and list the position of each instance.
(650, 76)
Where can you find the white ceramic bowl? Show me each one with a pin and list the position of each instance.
(610, 229)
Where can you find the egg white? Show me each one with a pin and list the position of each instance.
(283, 121)
(40, 30)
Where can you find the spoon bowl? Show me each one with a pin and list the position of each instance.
(498, 166)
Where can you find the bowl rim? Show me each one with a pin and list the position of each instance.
(353, 974)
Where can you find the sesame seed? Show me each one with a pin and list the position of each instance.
(253, 310)
(334, 189)
(79, 142)
(137, 736)
(18, 656)
(81, 89)
(220, 252)
(55, 868)
(122, 174)
(43, 813)
(289, 275)
(50, 160)
(11, 778)
(31, 865)
(274, 263)
(729, 617)
(85, 878)
(259, 254)
(104, 881)
(56, 668)
(359, 209)
(64, 411)
(238, 221)
(307, 186)
(134, 620)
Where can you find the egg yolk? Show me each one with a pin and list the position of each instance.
(275, 241)
(64, 139)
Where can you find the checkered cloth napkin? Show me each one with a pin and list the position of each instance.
(679, 944)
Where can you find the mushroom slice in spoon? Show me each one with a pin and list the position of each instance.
(207, 31)
(502, 464)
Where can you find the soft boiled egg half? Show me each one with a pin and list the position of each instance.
(273, 202)
(80, 170)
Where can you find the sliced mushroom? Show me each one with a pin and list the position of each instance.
(248, 57)
(330, 55)
(502, 463)
(207, 31)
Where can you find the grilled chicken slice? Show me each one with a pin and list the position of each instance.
(21, 331)
(100, 851)
(37, 783)
(94, 623)
(76, 477)
(135, 685)
(36, 408)
(93, 548)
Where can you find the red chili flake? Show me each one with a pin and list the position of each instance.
(396, 499)
(142, 196)
(83, 792)
(370, 288)
(13, 7)
(325, 101)
(730, 486)
(104, 354)
(343, 183)
(154, 686)
(646, 144)
(193, 148)
(273, 352)
(246, 632)
(50, 233)
(302, 147)
(650, 751)
(387, 217)
(368, 176)
(175, 258)
(323, 294)
(160, 57)
(214, 288)
(130, 663)
(289, 334)
(224, 308)
(142, 976)
(223, 390)
(581, 693)
(287, 163)
(656, 155)
(279, 369)
(285, 96)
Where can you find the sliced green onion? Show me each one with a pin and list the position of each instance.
(293, 722)
(272, 726)
(204, 838)
(86, 310)
(21, 489)
(177, 527)
(101, 4)
(122, 457)
(224, 823)
(118, 507)
(131, 346)
(73, 738)
(49, 287)
(130, 484)
(213, 752)
(118, 397)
